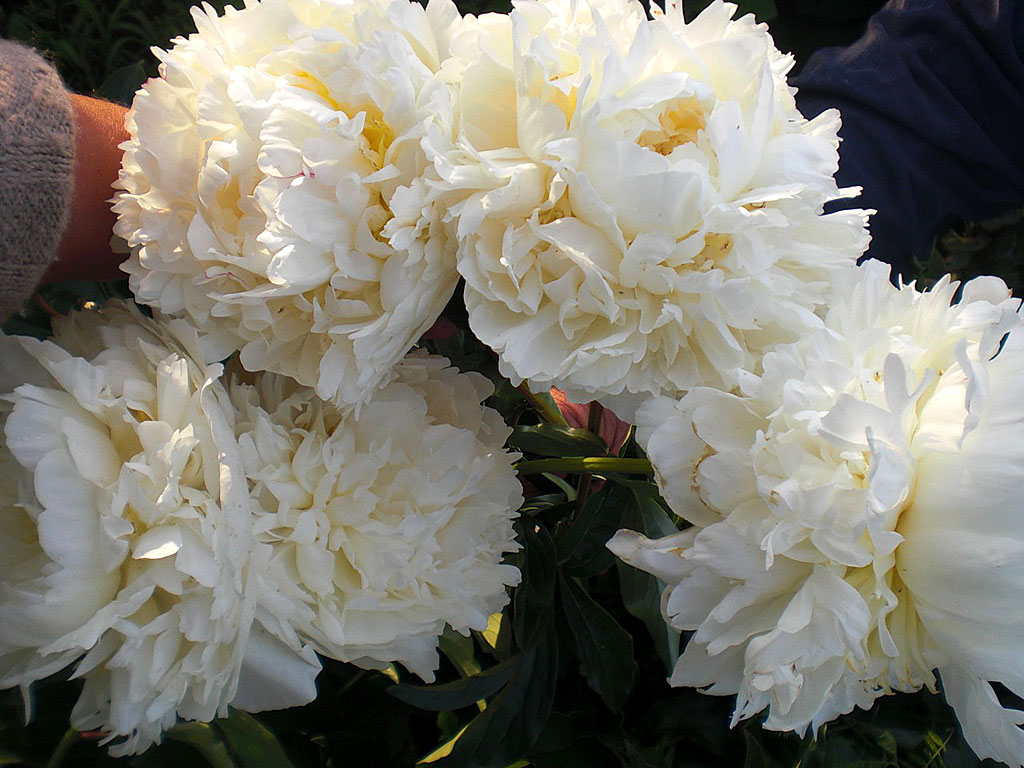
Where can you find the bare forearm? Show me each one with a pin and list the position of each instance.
(85, 251)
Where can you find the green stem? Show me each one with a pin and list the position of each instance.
(594, 417)
(545, 405)
(594, 413)
(355, 679)
(600, 464)
(70, 738)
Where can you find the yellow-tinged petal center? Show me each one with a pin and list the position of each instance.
(679, 124)
(313, 84)
(716, 246)
(376, 131)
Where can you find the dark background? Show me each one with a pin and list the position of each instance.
(102, 46)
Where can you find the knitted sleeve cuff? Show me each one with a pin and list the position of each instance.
(36, 149)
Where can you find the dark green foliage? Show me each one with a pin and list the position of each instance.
(604, 649)
(515, 718)
(99, 45)
(534, 599)
(993, 247)
(251, 744)
(556, 440)
(459, 693)
(102, 46)
(641, 592)
(581, 545)
(575, 674)
(50, 301)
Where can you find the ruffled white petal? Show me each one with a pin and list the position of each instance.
(274, 187)
(638, 202)
(273, 675)
(383, 526)
(127, 543)
(857, 523)
(992, 730)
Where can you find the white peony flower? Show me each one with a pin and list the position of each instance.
(638, 203)
(857, 517)
(384, 526)
(274, 190)
(126, 535)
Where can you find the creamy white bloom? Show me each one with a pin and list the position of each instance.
(638, 203)
(857, 515)
(385, 525)
(274, 190)
(126, 535)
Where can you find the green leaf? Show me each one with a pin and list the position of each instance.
(567, 490)
(251, 743)
(653, 756)
(536, 593)
(604, 648)
(70, 738)
(459, 693)
(588, 752)
(556, 440)
(496, 639)
(206, 740)
(756, 756)
(887, 742)
(167, 754)
(121, 84)
(605, 466)
(551, 508)
(510, 725)
(564, 729)
(545, 405)
(641, 592)
(764, 10)
(460, 651)
(581, 545)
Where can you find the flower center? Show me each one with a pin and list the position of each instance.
(378, 136)
(559, 210)
(679, 124)
(716, 246)
(376, 132)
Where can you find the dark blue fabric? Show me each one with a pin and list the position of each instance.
(932, 101)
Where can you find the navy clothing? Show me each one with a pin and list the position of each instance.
(932, 101)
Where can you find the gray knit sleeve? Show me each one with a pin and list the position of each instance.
(36, 146)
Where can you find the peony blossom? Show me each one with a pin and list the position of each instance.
(127, 544)
(274, 190)
(385, 525)
(638, 202)
(857, 516)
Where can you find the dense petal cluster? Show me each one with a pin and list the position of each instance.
(856, 514)
(186, 546)
(636, 207)
(387, 525)
(638, 202)
(274, 188)
(126, 526)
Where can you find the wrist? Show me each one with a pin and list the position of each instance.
(84, 251)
